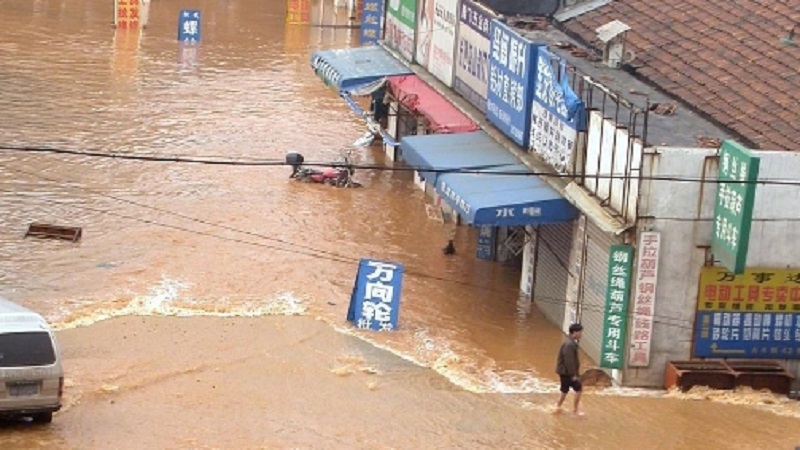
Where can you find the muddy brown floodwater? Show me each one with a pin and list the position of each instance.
(205, 305)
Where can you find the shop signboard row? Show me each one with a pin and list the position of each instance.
(472, 53)
(511, 77)
(755, 314)
(557, 113)
(436, 37)
(401, 18)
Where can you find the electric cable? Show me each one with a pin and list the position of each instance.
(483, 169)
(314, 253)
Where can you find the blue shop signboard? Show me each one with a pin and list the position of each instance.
(189, 26)
(487, 241)
(511, 76)
(557, 113)
(747, 335)
(375, 301)
(371, 22)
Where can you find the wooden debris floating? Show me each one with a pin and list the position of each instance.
(44, 230)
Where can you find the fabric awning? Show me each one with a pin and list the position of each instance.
(475, 150)
(511, 196)
(349, 69)
(418, 97)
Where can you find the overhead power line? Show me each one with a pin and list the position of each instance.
(483, 169)
(301, 249)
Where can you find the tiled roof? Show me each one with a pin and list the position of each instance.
(723, 58)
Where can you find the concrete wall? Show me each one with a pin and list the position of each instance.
(682, 212)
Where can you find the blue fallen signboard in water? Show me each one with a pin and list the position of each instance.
(189, 26)
(375, 302)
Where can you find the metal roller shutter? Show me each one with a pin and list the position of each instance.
(596, 244)
(554, 243)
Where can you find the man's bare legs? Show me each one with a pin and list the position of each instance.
(577, 410)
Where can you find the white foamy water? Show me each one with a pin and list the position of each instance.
(163, 298)
(437, 354)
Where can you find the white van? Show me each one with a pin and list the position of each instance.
(31, 377)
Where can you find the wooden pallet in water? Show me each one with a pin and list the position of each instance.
(49, 231)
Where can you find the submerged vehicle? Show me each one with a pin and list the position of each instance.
(341, 175)
(31, 377)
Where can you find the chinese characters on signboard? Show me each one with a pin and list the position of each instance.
(733, 208)
(644, 299)
(127, 14)
(298, 12)
(616, 310)
(375, 302)
(436, 37)
(487, 241)
(555, 112)
(472, 60)
(371, 22)
(189, 26)
(453, 198)
(400, 23)
(755, 314)
(508, 100)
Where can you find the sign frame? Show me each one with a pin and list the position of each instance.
(511, 76)
(733, 205)
(557, 114)
(400, 27)
(372, 20)
(644, 299)
(376, 279)
(473, 44)
(615, 318)
(748, 309)
(186, 32)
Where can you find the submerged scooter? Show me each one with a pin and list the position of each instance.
(339, 176)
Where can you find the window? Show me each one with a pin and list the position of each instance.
(26, 349)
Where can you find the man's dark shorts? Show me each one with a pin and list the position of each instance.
(567, 382)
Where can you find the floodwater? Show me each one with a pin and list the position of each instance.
(204, 306)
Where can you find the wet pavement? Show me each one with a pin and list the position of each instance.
(196, 266)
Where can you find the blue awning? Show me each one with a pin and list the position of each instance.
(350, 68)
(514, 198)
(475, 150)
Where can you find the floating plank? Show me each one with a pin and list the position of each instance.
(44, 230)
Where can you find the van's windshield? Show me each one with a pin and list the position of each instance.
(26, 349)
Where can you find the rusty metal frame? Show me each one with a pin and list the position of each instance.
(625, 115)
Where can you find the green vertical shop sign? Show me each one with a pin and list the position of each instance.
(733, 208)
(615, 321)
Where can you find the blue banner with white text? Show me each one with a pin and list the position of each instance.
(511, 76)
(189, 26)
(375, 301)
(747, 335)
(371, 22)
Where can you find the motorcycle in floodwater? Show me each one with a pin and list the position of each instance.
(339, 176)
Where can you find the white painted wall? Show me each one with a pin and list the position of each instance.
(672, 208)
(611, 152)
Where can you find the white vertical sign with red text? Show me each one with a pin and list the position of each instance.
(644, 300)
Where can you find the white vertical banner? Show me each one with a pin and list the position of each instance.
(644, 300)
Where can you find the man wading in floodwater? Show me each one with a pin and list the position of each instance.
(568, 367)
